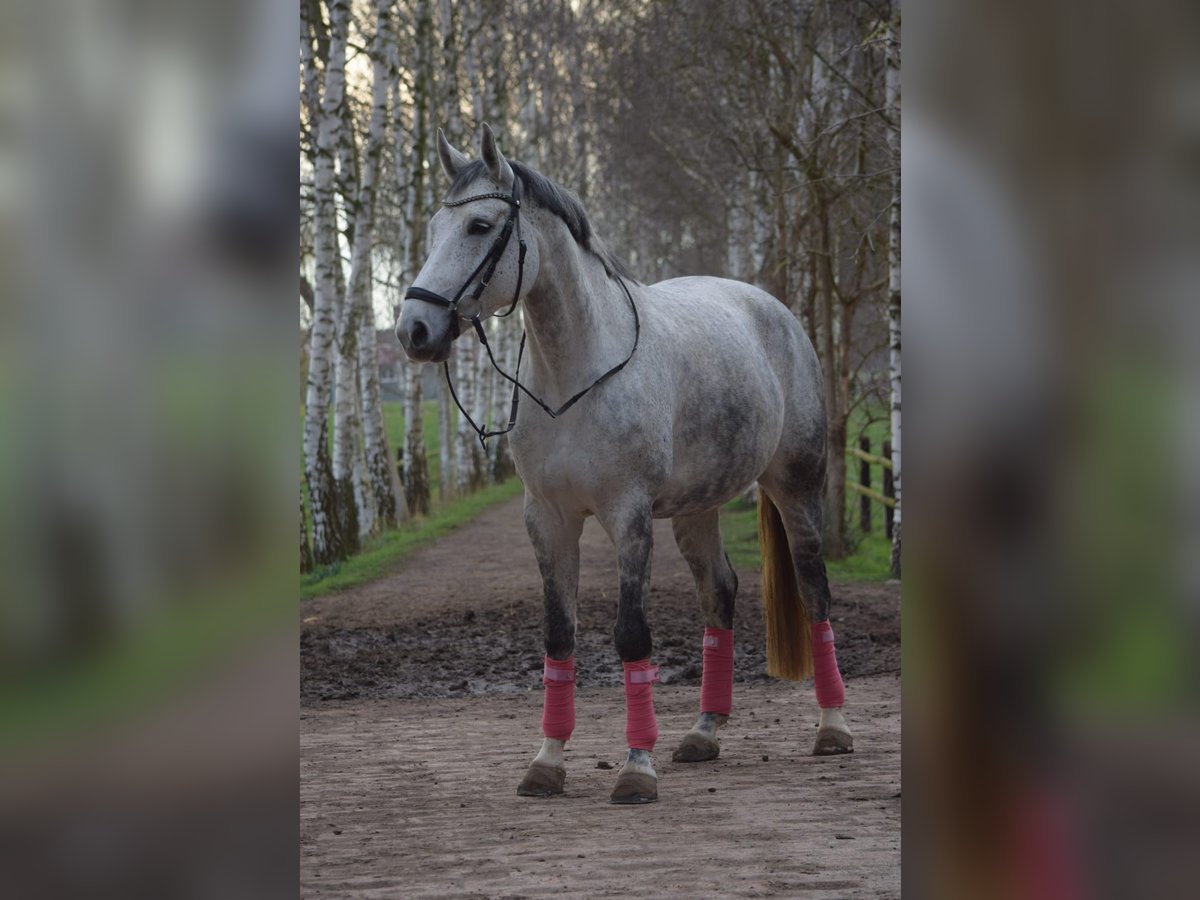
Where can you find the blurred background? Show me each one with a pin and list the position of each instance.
(1052, 605)
(148, 383)
(148, 479)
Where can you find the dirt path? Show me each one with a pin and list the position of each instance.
(422, 699)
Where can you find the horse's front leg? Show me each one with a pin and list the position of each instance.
(632, 530)
(555, 537)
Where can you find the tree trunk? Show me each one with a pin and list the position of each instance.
(416, 467)
(448, 444)
(347, 473)
(485, 387)
(448, 15)
(835, 414)
(893, 103)
(327, 542)
(379, 489)
(363, 499)
(306, 558)
(381, 474)
(467, 383)
(508, 332)
(347, 469)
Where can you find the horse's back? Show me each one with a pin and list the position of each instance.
(716, 309)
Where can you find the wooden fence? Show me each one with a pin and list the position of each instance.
(887, 497)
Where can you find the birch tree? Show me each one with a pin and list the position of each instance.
(416, 466)
(893, 316)
(381, 488)
(327, 544)
(306, 559)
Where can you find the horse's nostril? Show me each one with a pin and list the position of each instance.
(419, 336)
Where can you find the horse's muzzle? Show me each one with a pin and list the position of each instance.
(426, 334)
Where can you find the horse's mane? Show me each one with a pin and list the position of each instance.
(553, 198)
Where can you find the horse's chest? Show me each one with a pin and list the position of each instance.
(580, 458)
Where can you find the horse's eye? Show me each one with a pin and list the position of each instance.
(479, 226)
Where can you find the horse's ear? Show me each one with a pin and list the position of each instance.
(453, 162)
(497, 165)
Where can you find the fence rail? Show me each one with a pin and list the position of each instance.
(867, 493)
(871, 457)
(889, 502)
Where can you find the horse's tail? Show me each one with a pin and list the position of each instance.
(789, 653)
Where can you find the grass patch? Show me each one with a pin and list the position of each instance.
(871, 560)
(383, 553)
(872, 556)
(739, 528)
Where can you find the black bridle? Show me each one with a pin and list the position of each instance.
(488, 267)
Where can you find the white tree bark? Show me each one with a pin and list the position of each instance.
(416, 480)
(379, 491)
(390, 508)
(466, 383)
(447, 439)
(306, 560)
(416, 468)
(485, 389)
(327, 542)
(364, 502)
(893, 103)
(509, 336)
(450, 22)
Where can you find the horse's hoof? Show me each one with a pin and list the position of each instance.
(634, 787)
(695, 748)
(542, 781)
(832, 742)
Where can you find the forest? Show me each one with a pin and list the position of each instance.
(757, 141)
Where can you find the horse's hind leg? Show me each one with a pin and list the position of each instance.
(555, 538)
(801, 514)
(699, 540)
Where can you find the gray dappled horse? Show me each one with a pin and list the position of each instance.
(674, 397)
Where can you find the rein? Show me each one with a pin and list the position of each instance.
(488, 266)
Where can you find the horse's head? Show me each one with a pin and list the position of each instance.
(475, 266)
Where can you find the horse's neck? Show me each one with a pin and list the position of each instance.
(577, 318)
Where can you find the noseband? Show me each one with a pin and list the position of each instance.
(488, 266)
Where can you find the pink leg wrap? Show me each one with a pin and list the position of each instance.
(558, 714)
(831, 693)
(641, 728)
(716, 685)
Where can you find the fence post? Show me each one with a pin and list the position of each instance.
(864, 478)
(889, 491)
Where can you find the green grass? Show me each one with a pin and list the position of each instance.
(393, 424)
(384, 553)
(871, 560)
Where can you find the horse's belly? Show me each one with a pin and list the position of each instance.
(697, 497)
(708, 474)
